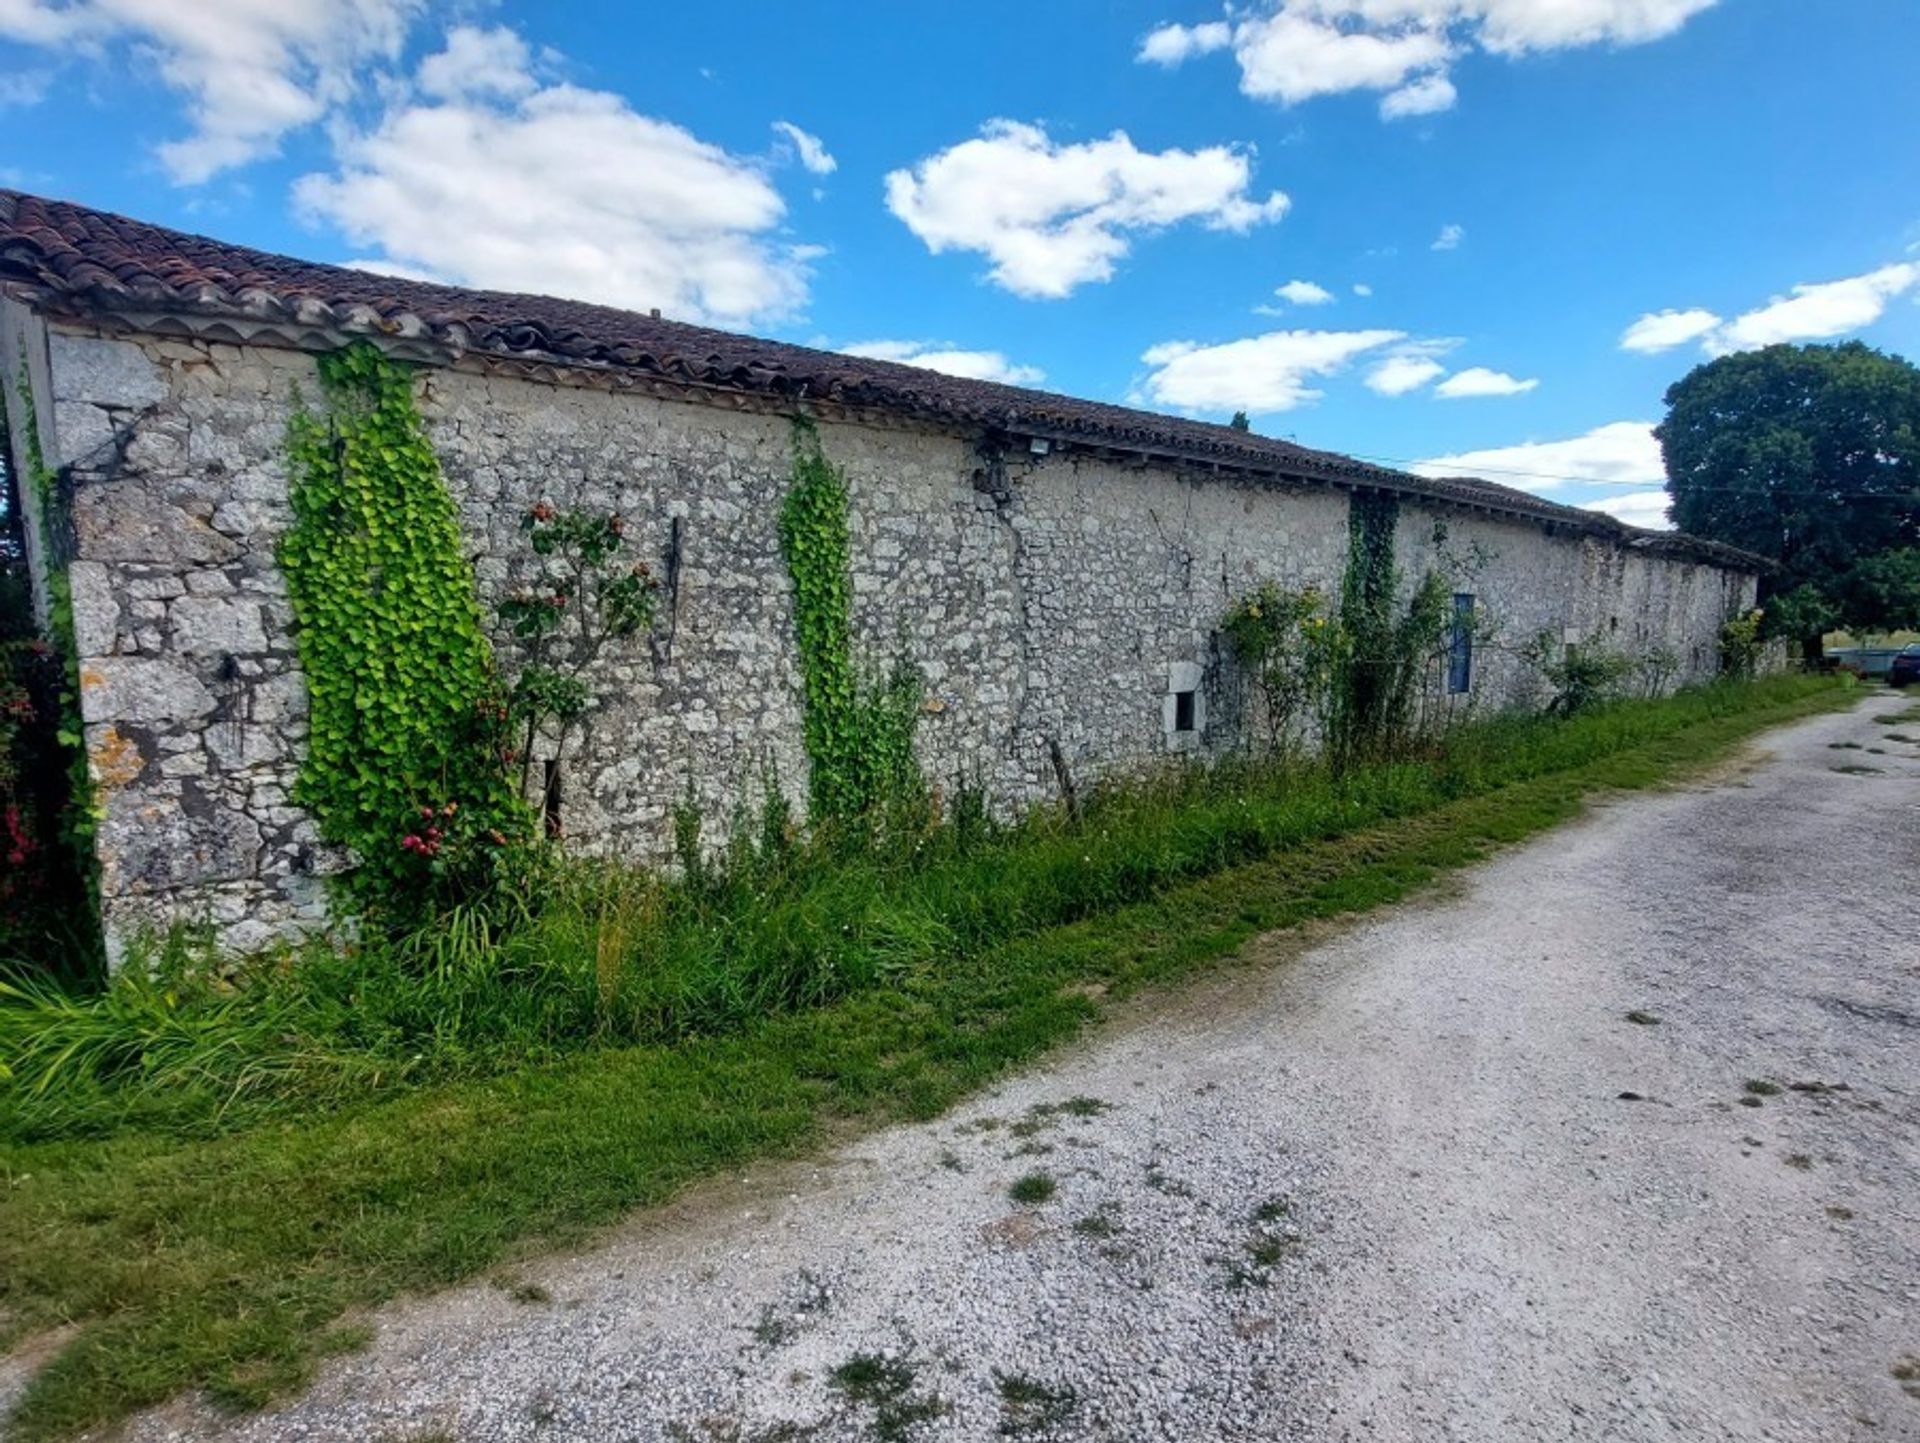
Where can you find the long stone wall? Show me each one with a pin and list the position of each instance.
(1054, 603)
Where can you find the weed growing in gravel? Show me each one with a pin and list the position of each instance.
(806, 1300)
(1760, 1087)
(1906, 1372)
(1271, 1211)
(524, 1292)
(1097, 1224)
(1856, 770)
(1840, 1214)
(1843, 746)
(1642, 1019)
(1799, 1160)
(1033, 1189)
(950, 1160)
(1164, 1182)
(1029, 1406)
(886, 1385)
(1903, 739)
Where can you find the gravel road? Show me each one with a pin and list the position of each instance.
(1614, 1137)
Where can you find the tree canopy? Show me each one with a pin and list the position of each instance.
(1808, 455)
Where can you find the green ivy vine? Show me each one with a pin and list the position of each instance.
(408, 726)
(858, 728)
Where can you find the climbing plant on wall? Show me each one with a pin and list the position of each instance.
(407, 758)
(858, 728)
(49, 875)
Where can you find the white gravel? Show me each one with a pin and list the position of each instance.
(1473, 1235)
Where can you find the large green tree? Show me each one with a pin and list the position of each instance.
(1809, 455)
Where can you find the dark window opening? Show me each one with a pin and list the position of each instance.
(550, 797)
(1183, 711)
(1460, 645)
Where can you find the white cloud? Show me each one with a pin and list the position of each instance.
(1636, 508)
(512, 185)
(1622, 453)
(812, 152)
(1295, 50)
(24, 87)
(1295, 54)
(940, 356)
(478, 62)
(1663, 330)
(1304, 293)
(1480, 381)
(1428, 95)
(1449, 238)
(1054, 217)
(1171, 44)
(1361, 288)
(1258, 374)
(250, 71)
(1397, 375)
(1818, 312)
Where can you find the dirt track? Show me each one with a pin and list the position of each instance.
(1426, 1181)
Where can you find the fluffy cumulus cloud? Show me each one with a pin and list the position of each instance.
(1622, 453)
(813, 154)
(1816, 312)
(1404, 371)
(249, 71)
(951, 360)
(1051, 218)
(1294, 50)
(482, 175)
(1450, 238)
(1663, 330)
(1259, 374)
(1304, 293)
(1481, 381)
(1819, 312)
(1636, 508)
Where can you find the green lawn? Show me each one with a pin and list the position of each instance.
(227, 1258)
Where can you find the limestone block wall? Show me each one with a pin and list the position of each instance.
(1051, 601)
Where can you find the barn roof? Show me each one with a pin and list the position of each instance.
(74, 260)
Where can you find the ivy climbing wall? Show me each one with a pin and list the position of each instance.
(1058, 611)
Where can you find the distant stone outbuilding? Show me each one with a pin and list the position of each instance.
(1057, 568)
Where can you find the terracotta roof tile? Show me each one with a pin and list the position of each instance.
(90, 261)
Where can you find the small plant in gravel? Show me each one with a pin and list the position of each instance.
(1800, 1161)
(1640, 1018)
(886, 1385)
(1760, 1087)
(1033, 1189)
(781, 1322)
(1906, 1372)
(524, 1292)
(1856, 771)
(1164, 1182)
(1029, 1406)
(1271, 1211)
(1097, 1224)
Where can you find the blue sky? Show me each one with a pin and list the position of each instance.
(1512, 222)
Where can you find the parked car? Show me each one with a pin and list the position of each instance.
(1906, 667)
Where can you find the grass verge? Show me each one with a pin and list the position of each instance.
(227, 1262)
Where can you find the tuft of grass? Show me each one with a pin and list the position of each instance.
(203, 1222)
(1098, 1224)
(1642, 1019)
(1029, 1406)
(1760, 1087)
(1034, 1188)
(523, 1292)
(886, 1386)
(1273, 1210)
(1799, 1160)
(1857, 770)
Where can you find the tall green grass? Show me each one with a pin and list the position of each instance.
(614, 955)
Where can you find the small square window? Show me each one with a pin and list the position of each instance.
(1183, 711)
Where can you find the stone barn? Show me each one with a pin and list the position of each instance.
(1056, 568)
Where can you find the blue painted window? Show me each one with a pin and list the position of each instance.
(1460, 644)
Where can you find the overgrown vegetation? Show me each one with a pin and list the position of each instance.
(49, 905)
(859, 724)
(225, 1260)
(408, 740)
